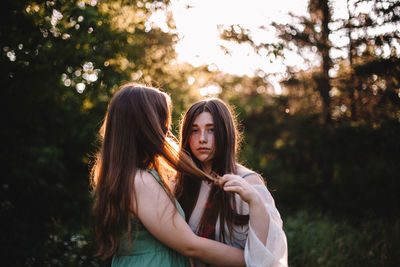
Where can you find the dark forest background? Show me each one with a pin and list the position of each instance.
(328, 146)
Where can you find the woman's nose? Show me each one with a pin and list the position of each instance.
(203, 137)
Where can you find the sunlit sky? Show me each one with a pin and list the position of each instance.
(197, 23)
(198, 29)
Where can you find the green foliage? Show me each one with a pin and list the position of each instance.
(318, 240)
(60, 63)
(67, 248)
(288, 153)
(62, 60)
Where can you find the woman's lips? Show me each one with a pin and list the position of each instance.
(203, 149)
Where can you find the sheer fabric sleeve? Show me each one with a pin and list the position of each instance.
(274, 253)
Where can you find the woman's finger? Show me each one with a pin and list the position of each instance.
(234, 182)
(233, 188)
(224, 179)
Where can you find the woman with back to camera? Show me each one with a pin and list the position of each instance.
(137, 221)
(248, 219)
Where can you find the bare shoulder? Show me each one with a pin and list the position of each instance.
(253, 178)
(147, 187)
(144, 179)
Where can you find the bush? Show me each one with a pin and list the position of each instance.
(318, 240)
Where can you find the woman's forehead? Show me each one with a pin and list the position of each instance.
(204, 118)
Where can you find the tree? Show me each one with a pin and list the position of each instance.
(367, 77)
(61, 62)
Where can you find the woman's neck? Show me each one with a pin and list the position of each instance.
(207, 167)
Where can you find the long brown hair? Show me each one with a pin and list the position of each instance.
(133, 137)
(226, 143)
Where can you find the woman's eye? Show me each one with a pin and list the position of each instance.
(211, 130)
(195, 130)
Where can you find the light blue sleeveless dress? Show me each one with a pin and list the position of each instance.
(146, 250)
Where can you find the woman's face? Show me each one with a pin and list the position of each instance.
(202, 138)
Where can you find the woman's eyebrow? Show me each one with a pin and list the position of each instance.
(207, 125)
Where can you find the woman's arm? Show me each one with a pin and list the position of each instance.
(273, 252)
(258, 213)
(162, 220)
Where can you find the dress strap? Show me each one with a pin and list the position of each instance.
(155, 174)
(247, 174)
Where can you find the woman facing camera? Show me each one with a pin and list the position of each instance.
(243, 213)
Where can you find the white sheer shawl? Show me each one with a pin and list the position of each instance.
(273, 253)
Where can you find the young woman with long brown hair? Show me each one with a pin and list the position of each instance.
(248, 219)
(136, 218)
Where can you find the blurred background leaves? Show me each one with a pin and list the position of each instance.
(327, 144)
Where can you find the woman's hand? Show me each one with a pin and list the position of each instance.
(258, 213)
(235, 183)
